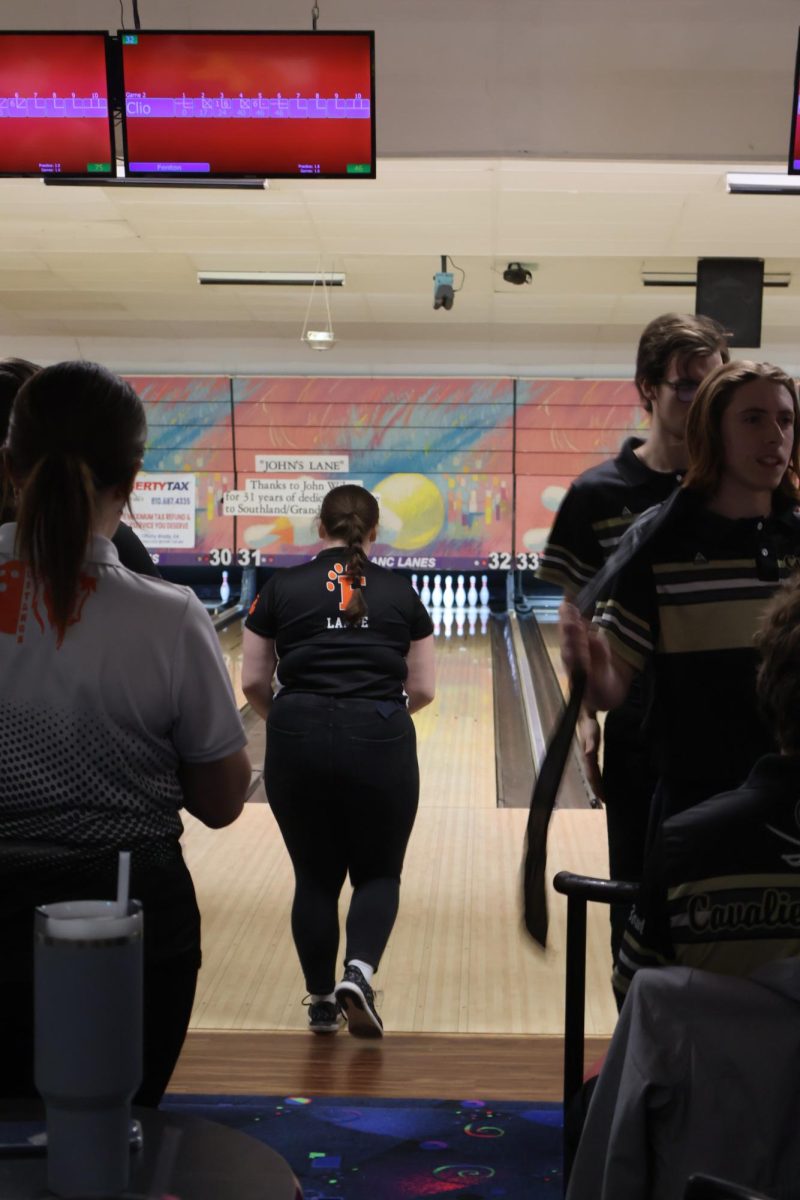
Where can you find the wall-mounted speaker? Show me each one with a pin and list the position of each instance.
(730, 290)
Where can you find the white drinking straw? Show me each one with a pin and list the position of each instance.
(123, 882)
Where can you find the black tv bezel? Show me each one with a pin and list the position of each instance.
(95, 176)
(791, 169)
(212, 175)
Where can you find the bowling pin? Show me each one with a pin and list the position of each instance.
(437, 622)
(484, 592)
(224, 588)
(472, 617)
(460, 622)
(436, 594)
(461, 595)
(425, 593)
(448, 597)
(414, 584)
(447, 619)
(484, 615)
(472, 594)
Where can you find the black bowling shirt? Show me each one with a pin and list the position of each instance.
(595, 513)
(301, 608)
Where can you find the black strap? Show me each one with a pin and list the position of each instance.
(548, 781)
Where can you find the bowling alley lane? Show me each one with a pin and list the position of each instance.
(230, 640)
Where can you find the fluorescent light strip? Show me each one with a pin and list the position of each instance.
(273, 278)
(762, 183)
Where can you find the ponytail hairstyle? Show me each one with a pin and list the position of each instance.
(349, 514)
(76, 430)
(13, 373)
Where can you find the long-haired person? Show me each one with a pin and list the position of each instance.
(351, 647)
(13, 373)
(116, 710)
(691, 601)
(675, 353)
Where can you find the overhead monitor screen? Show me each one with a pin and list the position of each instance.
(54, 110)
(218, 104)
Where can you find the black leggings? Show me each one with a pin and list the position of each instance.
(343, 782)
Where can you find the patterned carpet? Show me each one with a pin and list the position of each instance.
(350, 1148)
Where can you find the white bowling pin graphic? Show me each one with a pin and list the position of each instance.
(460, 622)
(461, 595)
(472, 594)
(448, 597)
(484, 592)
(425, 592)
(472, 617)
(447, 618)
(414, 584)
(224, 588)
(436, 594)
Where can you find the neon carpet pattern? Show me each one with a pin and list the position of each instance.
(351, 1148)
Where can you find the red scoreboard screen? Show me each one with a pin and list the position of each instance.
(280, 105)
(794, 130)
(54, 109)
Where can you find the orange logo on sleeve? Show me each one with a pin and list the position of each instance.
(86, 586)
(18, 599)
(345, 590)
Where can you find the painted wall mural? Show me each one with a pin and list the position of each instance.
(468, 471)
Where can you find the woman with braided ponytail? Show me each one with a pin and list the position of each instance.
(350, 647)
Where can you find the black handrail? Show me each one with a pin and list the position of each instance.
(579, 890)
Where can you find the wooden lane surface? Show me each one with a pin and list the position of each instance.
(455, 734)
(230, 641)
(458, 960)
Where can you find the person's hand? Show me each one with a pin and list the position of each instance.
(589, 738)
(582, 651)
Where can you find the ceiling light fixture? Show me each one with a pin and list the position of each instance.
(321, 338)
(273, 278)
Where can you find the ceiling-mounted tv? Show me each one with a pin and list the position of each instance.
(794, 129)
(248, 105)
(54, 112)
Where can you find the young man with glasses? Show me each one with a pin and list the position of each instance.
(675, 353)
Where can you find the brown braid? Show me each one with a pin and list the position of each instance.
(349, 514)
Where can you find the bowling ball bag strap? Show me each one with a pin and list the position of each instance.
(681, 504)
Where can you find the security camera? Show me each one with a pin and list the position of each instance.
(516, 273)
(443, 290)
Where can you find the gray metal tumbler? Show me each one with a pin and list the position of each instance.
(88, 1040)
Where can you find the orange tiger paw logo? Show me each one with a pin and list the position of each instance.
(334, 577)
(337, 576)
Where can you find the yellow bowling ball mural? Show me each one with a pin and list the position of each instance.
(412, 511)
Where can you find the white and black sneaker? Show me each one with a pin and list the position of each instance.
(323, 1016)
(357, 1001)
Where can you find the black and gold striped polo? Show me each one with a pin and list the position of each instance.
(690, 606)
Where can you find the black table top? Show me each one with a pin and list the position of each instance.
(211, 1163)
